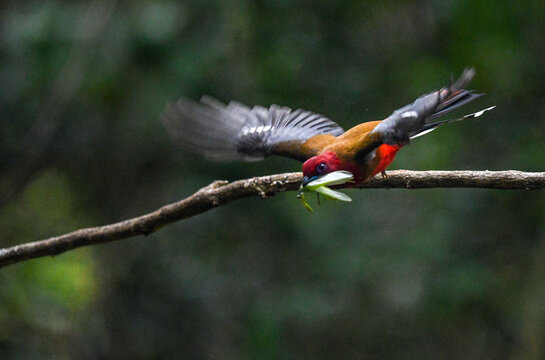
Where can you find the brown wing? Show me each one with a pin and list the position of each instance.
(236, 132)
(303, 151)
(350, 143)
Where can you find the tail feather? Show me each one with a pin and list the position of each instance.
(428, 128)
(455, 101)
(413, 120)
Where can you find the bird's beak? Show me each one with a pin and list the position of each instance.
(308, 179)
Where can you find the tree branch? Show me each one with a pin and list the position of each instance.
(221, 192)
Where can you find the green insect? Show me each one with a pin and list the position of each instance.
(320, 186)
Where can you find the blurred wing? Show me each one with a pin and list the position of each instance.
(237, 132)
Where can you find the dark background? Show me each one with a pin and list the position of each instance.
(396, 274)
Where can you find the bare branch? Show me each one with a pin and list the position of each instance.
(221, 192)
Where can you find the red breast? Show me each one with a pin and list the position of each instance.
(386, 154)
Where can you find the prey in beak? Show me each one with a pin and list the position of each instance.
(308, 179)
(319, 184)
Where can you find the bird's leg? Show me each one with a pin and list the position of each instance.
(318, 198)
(383, 174)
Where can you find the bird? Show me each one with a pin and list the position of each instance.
(235, 131)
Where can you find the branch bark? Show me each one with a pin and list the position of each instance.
(221, 192)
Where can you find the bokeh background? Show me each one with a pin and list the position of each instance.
(396, 274)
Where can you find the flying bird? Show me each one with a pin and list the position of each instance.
(238, 132)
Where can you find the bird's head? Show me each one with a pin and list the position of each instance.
(320, 165)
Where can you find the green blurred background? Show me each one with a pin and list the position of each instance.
(396, 274)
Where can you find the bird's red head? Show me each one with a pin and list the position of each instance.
(320, 165)
(326, 163)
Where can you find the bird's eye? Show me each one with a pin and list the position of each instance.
(321, 168)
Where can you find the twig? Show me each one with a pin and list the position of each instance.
(221, 192)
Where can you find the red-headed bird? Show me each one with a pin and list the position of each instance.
(237, 132)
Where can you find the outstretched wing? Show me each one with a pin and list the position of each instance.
(237, 132)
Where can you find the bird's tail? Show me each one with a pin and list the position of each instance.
(412, 120)
(428, 128)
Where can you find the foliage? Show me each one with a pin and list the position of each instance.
(393, 274)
